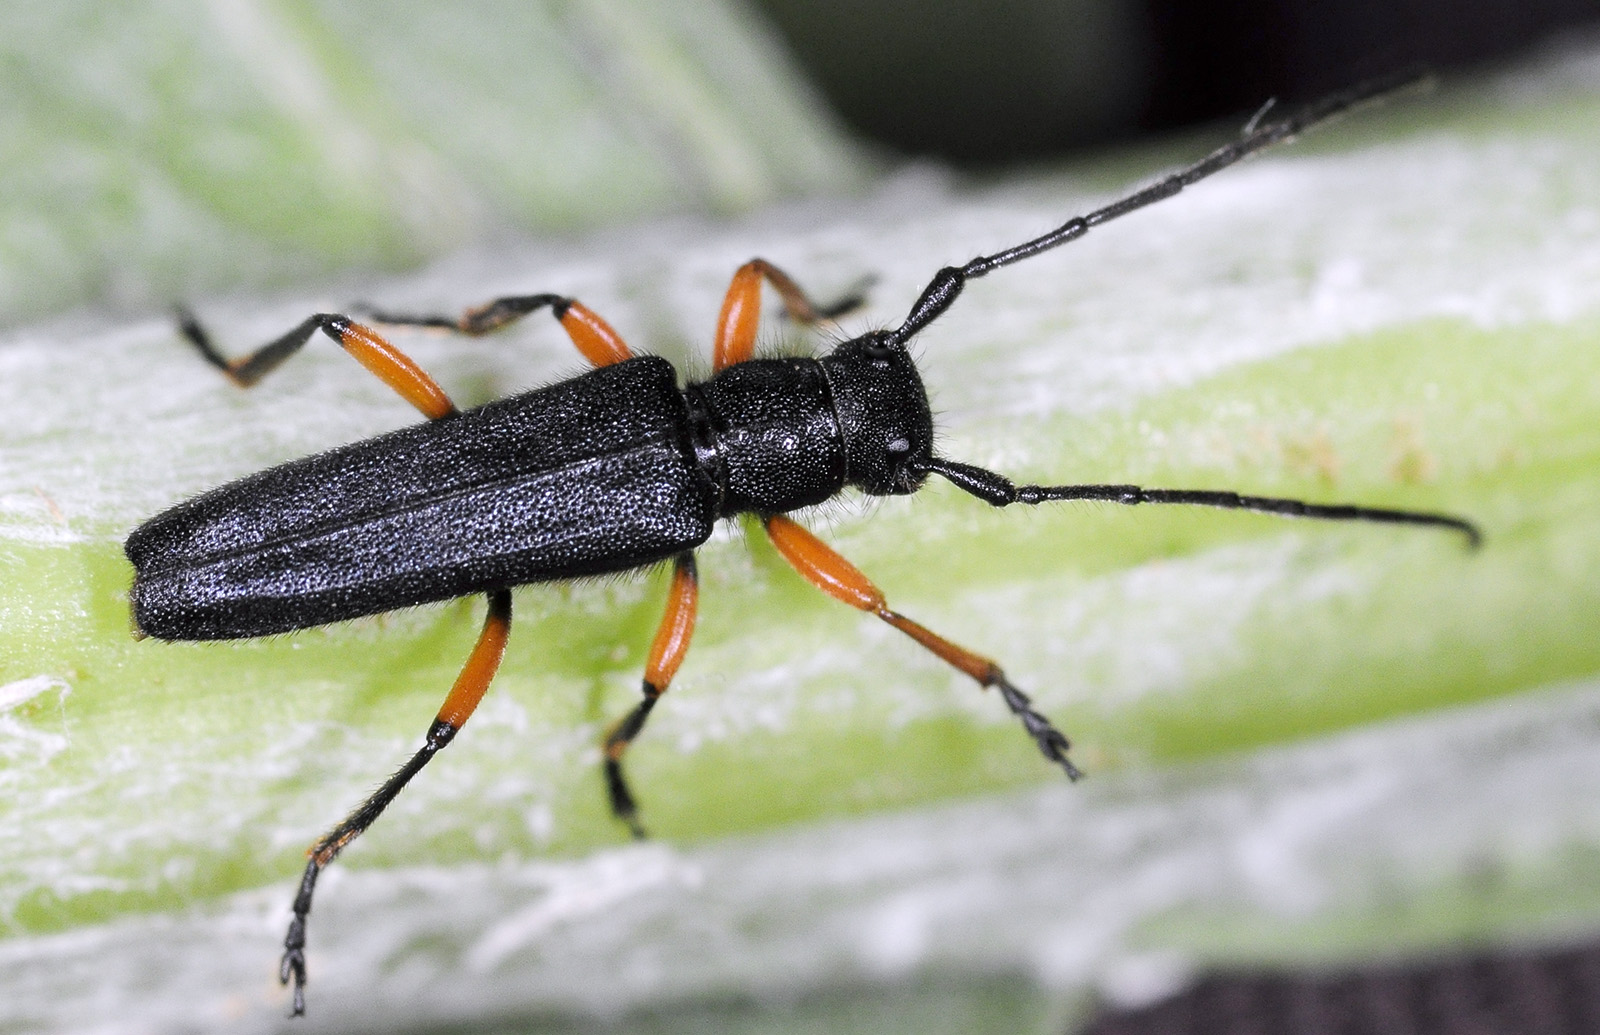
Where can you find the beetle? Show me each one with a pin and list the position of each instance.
(615, 469)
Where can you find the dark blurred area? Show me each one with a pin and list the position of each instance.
(1529, 992)
(989, 81)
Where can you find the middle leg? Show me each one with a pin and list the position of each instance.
(591, 335)
(666, 654)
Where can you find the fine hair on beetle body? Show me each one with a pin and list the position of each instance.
(621, 467)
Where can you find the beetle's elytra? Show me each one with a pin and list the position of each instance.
(616, 469)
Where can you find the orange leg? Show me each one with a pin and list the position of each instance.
(741, 310)
(458, 707)
(666, 654)
(393, 367)
(599, 343)
(840, 579)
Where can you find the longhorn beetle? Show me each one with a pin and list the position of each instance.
(612, 470)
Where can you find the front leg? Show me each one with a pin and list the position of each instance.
(840, 579)
(741, 310)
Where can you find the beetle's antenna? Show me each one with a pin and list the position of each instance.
(1257, 136)
(998, 490)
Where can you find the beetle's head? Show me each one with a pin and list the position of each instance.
(883, 411)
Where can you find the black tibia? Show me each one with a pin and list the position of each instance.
(998, 490)
(248, 369)
(623, 805)
(328, 847)
(1257, 135)
(480, 319)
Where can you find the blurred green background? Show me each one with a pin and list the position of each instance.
(1306, 743)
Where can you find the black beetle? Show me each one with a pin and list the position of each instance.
(616, 469)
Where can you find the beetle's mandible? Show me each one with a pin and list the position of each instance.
(616, 469)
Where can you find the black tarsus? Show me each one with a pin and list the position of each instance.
(623, 805)
(190, 327)
(948, 282)
(1053, 744)
(845, 304)
(246, 370)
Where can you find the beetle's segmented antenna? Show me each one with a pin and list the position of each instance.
(998, 490)
(1257, 136)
